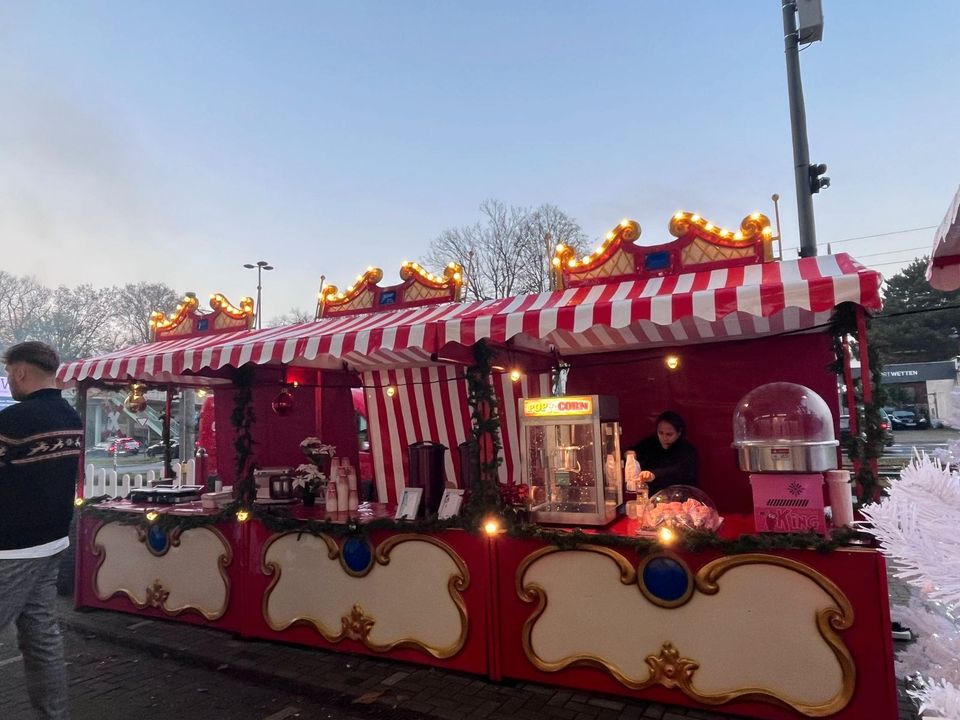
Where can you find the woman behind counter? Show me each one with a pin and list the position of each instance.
(667, 458)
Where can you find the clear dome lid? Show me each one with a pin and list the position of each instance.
(782, 413)
(681, 506)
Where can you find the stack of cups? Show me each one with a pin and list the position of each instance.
(841, 499)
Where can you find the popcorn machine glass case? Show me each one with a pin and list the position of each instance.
(571, 458)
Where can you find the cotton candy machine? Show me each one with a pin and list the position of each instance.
(784, 427)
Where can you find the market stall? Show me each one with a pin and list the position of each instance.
(695, 324)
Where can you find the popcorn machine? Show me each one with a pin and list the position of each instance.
(570, 458)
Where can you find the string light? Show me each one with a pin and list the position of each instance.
(672, 361)
(152, 515)
(78, 502)
(243, 515)
(491, 526)
(666, 536)
(391, 391)
(515, 375)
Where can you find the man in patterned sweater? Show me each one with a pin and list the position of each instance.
(40, 440)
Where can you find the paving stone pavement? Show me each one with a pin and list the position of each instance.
(335, 680)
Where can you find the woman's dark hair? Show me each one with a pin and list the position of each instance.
(669, 416)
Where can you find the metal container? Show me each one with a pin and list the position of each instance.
(796, 457)
(784, 427)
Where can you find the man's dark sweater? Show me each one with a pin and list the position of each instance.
(40, 441)
(677, 465)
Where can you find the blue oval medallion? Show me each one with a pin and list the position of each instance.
(357, 555)
(157, 540)
(666, 579)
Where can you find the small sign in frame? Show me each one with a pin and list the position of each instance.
(450, 503)
(409, 504)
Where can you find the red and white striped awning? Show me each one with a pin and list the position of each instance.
(723, 304)
(705, 306)
(390, 339)
(943, 271)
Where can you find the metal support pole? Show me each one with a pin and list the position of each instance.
(866, 379)
(852, 412)
(798, 126)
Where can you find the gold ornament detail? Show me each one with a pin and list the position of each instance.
(357, 625)
(751, 227)
(160, 321)
(156, 595)
(219, 302)
(565, 258)
(669, 669)
(370, 276)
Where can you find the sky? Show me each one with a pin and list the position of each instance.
(174, 142)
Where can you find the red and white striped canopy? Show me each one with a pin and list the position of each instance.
(722, 304)
(704, 306)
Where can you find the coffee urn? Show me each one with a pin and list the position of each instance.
(426, 468)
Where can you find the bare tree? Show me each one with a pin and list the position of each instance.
(509, 251)
(133, 304)
(294, 317)
(23, 301)
(78, 322)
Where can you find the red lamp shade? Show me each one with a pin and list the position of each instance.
(284, 403)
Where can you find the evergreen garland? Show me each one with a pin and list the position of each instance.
(485, 499)
(867, 444)
(242, 419)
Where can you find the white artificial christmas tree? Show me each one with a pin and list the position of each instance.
(918, 527)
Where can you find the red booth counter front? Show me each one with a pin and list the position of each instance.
(774, 635)
(192, 576)
(414, 597)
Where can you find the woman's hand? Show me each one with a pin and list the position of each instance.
(646, 476)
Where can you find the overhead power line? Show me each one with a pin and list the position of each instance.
(868, 237)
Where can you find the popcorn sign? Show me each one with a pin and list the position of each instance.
(790, 503)
(558, 406)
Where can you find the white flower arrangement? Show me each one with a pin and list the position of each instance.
(316, 446)
(308, 477)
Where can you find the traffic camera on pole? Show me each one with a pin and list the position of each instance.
(817, 178)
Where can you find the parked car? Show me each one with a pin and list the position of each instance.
(885, 426)
(907, 420)
(124, 446)
(157, 449)
(115, 446)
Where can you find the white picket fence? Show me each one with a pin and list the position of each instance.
(103, 481)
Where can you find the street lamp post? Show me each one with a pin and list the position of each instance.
(260, 267)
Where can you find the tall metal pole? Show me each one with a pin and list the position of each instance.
(798, 126)
(259, 287)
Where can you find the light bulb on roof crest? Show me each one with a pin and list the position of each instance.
(610, 235)
(708, 227)
(678, 215)
(755, 216)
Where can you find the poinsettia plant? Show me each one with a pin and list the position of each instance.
(315, 446)
(308, 477)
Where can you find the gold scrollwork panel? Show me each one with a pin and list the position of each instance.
(411, 597)
(191, 575)
(755, 627)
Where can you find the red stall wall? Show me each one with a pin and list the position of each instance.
(323, 407)
(705, 389)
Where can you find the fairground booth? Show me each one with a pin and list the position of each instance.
(504, 530)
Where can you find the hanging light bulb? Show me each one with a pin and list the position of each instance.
(391, 391)
(515, 375)
(284, 403)
(672, 361)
